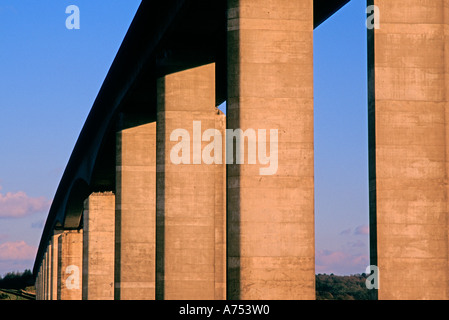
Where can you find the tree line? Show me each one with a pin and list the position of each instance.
(333, 287)
(17, 280)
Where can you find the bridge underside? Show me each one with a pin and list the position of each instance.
(193, 39)
(165, 37)
(167, 228)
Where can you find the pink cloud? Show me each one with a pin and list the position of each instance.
(18, 250)
(362, 230)
(19, 204)
(340, 262)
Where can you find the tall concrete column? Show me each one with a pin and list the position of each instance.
(44, 277)
(220, 213)
(54, 265)
(48, 274)
(70, 262)
(187, 210)
(271, 250)
(41, 282)
(136, 211)
(42, 273)
(408, 114)
(98, 246)
(38, 284)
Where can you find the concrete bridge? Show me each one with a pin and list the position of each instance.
(128, 223)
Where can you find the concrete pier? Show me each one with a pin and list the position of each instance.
(135, 255)
(187, 211)
(408, 65)
(270, 86)
(99, 246)
(45, 276)
(220, 213)
(54, 265)
(70, 262)
(49, 271)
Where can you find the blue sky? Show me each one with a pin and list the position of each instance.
(50, 77)
(341, 142)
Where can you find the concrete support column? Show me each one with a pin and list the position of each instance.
(136, 211)
(187, 210)
(98, 246)
(44, 277)
(41, 283)
(38, 284)
(271, 250)
(42, 294)
(70, 262)
(220, 213)
(408, 110)
(54, 266)
(48, 273)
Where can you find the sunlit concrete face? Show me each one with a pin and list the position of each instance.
(220, 213)
(408, 111)
(270, 86)
(47, 272)
(170, 218)
(135, 262)
(190, 203)
(98, 246)
(54, 265)
(70, 262)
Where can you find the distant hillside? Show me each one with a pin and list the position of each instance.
(332, 287)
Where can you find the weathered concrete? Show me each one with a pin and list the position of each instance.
(220, 213)
(54, 265)
(270, 86)
(43, 278)
(70, 261)
(41, 282)
(274, 38)
(408, 67)
(48, 273)
(37, 285)
(136, 212)
(99, 246)
(187, 211)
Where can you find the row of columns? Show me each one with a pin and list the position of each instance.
(161, 234)
(169, 240)
(200, 231)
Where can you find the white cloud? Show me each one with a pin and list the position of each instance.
(340, 262)
(18, 250)
(19, 204)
